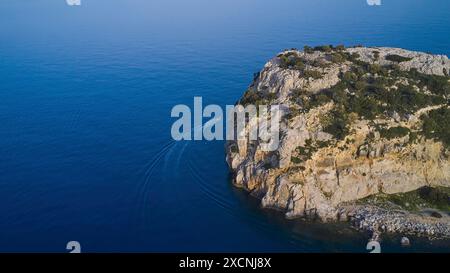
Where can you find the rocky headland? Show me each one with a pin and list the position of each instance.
(363, 129)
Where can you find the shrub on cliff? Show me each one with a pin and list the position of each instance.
(308, 49)
(296, 160)
(365, 106)
(397, 58)
(292, 61)
(406, 99)
(336, 123)
(352, 57)
(340, 47)
(250, 97)
(366, 91)
(324, 48)
(337, 58)
(439, 85)
(394, 132)
(437, 125)
(376, 54)
(312, 74)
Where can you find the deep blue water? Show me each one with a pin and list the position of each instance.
(85, 99)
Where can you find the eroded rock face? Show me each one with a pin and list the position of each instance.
(322, 162)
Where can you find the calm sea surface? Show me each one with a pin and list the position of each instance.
(85, 99)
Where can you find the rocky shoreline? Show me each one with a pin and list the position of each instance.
(378, 221)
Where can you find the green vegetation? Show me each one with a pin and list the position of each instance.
(292, 61)
(437, 125)
(413, 137)
(368, 96)
(296, 160)
(234, 148)
(337, 57)
(394, 132)
(376, 54)
(293, 112)
(336, 54)
(438, 85)
(267, 165)
(365, 91)
(353, 57)
(305, 152)
(324, 48)
(257, 98)
(340, 47)
(397, 58)
(312, 74)
(425, 197)
(308, 49)
(336, 123)
(440, 197)
(309, 101)
(406, 100)
(323, 144)
(369, 91)
(250, 97)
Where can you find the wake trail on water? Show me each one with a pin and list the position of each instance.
(178, 151)
(221, 200)
(145, 187)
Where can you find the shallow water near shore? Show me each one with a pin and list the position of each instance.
(85, 146)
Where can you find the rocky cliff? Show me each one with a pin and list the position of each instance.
(356, 122)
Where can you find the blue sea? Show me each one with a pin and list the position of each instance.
(86, 92)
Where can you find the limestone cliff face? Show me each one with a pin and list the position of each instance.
(355, 124)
